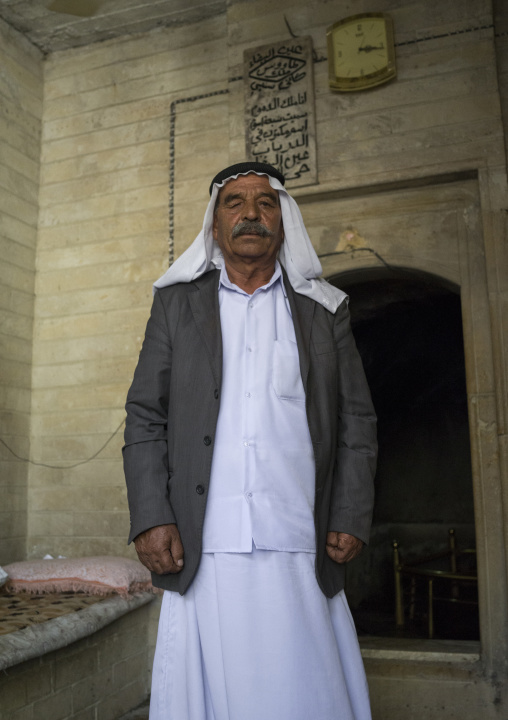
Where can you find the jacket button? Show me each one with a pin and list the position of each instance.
(207, 440)
(200, 489)
(216, 394)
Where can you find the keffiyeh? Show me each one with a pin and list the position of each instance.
(296, 254)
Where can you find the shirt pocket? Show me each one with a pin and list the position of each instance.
(286, 377)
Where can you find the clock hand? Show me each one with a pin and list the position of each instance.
(370, 48)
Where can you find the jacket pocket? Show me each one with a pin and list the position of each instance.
(324, 348)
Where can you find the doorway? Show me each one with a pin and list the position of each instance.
(408, 328)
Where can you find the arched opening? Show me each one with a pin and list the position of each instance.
(408, 328)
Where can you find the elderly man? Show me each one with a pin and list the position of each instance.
(249, 457)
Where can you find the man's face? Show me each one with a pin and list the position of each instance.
(247, 223)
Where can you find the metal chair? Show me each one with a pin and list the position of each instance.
(451, 581)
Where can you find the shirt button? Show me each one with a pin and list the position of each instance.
(246, 443)
(249, 349)
(251, 305)
(207, 440)
(200, 489)
(216, 394)
(247, 394)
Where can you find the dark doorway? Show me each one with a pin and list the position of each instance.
(408, 328)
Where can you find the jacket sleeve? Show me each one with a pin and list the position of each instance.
(145, 453)
(352, 496)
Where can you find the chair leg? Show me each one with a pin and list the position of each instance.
(399, 605)
(431, 609)
(412, 599)
(452, 542)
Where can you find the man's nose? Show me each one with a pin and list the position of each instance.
(251, 210)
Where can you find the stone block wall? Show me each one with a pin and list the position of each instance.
(21, 87)
(98, 678)
(103, 239)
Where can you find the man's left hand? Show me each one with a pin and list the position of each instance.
(342, 547)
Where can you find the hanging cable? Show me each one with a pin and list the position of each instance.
(63, 467)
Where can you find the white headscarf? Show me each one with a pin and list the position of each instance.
(296, 253)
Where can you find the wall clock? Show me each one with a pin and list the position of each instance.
(361, 52)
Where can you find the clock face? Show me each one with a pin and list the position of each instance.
(361, 52)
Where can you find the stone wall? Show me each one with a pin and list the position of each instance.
(103, 239)
(98, 678)
(20, 136)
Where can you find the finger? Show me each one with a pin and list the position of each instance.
(352, 552)
(349, 542)
(160, 549)
(170, 560)
(336, 554)
(157, 560)
(355, 551)
(146, 560)
(346, 549)
(176, 549)
(332, 538)
(165, 563)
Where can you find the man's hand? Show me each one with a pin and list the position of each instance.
(160, 549)
(342, 547)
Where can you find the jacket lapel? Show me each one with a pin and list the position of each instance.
(302, 309)
(204, 302)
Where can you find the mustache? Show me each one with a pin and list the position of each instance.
(251, 227)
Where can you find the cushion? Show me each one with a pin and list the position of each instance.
(91, 575)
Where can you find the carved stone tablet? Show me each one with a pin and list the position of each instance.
(279, 108)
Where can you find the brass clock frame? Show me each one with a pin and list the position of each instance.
(341, 83)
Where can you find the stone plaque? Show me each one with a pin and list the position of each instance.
(279, 108)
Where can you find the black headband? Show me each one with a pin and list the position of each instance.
(247, 167)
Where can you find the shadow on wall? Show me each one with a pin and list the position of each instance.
(408, 329)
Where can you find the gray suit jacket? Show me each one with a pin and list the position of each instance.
(173, 405)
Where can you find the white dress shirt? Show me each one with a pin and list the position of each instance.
(263, 474)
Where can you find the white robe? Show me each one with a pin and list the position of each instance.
(254, 638)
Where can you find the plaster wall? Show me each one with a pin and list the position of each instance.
(20, 135)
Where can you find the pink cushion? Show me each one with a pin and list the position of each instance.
(91, 575)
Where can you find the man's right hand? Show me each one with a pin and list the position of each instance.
(160, 549)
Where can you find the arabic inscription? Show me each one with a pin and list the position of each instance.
(280, 123)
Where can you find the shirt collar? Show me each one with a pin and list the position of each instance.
(225, 282)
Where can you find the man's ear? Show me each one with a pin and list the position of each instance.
(214, 227)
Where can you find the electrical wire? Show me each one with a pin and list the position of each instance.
(63, 467)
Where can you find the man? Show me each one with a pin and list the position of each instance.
(249, 458)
